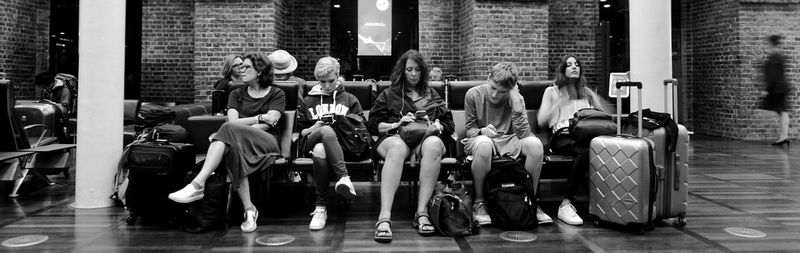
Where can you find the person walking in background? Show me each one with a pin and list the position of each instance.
(777, 88)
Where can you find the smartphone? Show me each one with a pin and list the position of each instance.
(420, 114)
(327, 119)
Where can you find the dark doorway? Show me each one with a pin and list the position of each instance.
(64, 36)
(133, 49)
(405, 16)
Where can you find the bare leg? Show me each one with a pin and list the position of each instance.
(481, 163)
(784, 126)
(394, 151)
(534, 154)
(214, 156)
(244, 193)
(432, 150)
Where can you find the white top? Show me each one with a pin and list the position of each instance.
(562, 112)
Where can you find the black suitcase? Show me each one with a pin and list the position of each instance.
(156, 169)
(52, 115)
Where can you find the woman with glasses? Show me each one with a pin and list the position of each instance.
(230, 74)
(409, 103)
(247, 142)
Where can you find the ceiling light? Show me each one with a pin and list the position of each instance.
(606, 6)
(337, 6)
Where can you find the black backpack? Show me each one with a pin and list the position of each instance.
(208, 213)
(450, 210)
(510, 198)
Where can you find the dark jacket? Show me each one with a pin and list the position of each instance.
(392, 104)
(317, 103)
(774, 74)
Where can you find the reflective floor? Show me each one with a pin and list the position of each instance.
(732, 184)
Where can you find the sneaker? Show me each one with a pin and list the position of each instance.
(542, 217)
(250, 218)
(318, 219)
(188, 194)
(569, 215)
(481, 214)
(345, 188)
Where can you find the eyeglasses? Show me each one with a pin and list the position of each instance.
(242, 67)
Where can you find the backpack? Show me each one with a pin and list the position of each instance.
(208, 213)
(588, 123)
(353, 136)
(450, 210)
(150, 115)
(509, 192)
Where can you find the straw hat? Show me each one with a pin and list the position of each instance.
(282, 62)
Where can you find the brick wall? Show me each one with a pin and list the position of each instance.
(758, 20)
(495, 31)
(439, 34)
(725, 47)
(307, 34)
(168, 55)
(225, 27)
(24, 48)
(573, 30)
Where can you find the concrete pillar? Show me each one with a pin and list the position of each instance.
(101, 46)
(651, 51)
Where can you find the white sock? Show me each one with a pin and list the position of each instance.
(320, 208)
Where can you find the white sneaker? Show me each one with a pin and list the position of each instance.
(250, 221)
(345, 188)
(188, 194)
(569, 215)
(318, 219)
(481, 214)
(542, 217)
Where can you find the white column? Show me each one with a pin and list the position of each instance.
(101, 48)
(651, 51)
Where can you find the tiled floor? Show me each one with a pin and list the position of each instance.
(732, 184)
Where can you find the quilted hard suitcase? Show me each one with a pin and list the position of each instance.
(623, 179)
(673, 190)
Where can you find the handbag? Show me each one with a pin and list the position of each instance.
(561, 141)
(413, 133)
(588, 123)
(451, 210)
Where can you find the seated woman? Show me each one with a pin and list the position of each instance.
(325, 103)
(230, 81)
(393, 113)
(247, 142)
(559, 104)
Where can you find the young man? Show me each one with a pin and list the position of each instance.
(496, 124)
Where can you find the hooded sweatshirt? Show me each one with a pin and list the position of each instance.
(319, 103)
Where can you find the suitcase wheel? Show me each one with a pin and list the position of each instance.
(130, 220)
(641, 229)
(596, 223)
(680, 222)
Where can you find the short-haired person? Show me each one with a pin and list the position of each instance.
(247, 142)
(394, 111)
(559, 103)
(436, 74)
(497, 124)
(327, 99)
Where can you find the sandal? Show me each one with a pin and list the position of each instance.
(423, 227)
(383, 235)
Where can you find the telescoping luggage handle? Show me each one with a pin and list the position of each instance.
(619, 105)
(674, 83)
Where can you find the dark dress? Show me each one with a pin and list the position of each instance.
(777, 87)
(250, 149)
